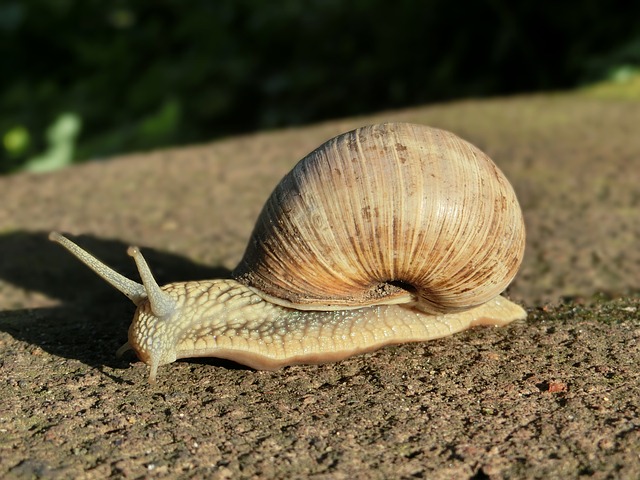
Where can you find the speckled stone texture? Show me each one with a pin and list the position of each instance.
(555, 396)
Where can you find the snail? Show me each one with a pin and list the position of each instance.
(386, 234)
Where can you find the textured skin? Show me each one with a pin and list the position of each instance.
(226, 319)
(223, 318)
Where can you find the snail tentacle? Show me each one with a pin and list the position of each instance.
(162, 305)
(133, 290)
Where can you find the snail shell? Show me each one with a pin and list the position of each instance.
(384, 214)
(390, 233)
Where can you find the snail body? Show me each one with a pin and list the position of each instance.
(386, 234)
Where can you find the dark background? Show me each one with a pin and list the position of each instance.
(136, 75)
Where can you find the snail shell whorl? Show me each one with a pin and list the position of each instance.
(382, 210)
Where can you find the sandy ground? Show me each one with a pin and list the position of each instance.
(555, 396)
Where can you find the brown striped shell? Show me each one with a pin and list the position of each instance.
(388, 213)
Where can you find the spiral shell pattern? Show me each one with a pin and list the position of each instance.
(387, 213)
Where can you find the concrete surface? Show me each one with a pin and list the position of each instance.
(555, 396)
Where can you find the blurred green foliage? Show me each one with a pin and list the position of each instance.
(134, 75)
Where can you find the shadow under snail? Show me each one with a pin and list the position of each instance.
(386, 234)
